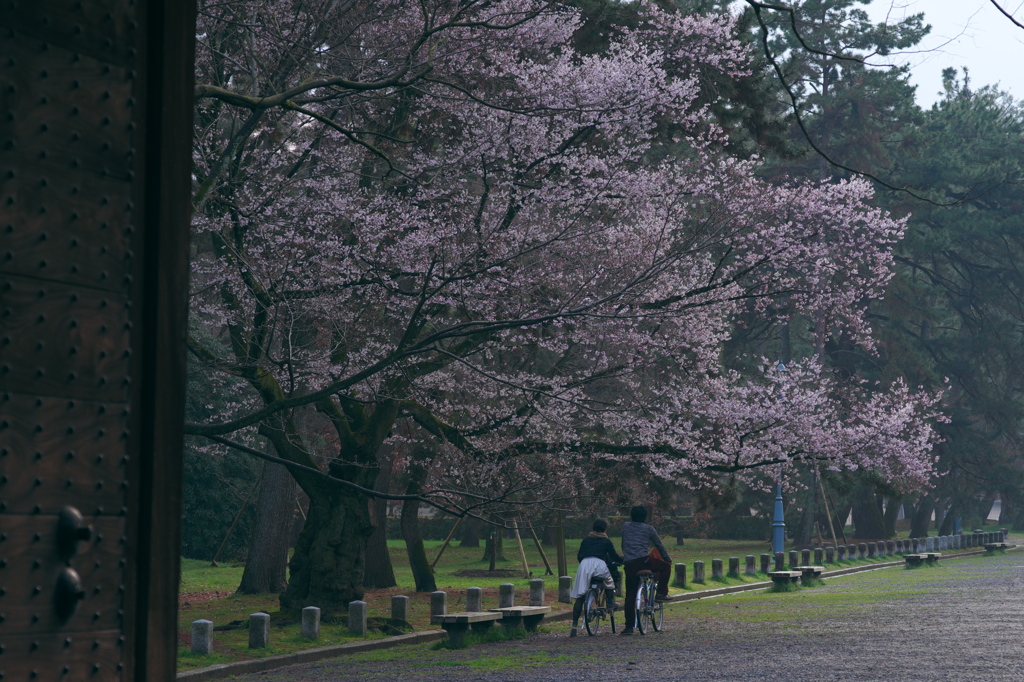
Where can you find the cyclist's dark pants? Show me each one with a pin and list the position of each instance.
(663, 572)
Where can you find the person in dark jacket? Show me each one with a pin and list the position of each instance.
(597, 557)
(598, 545)
(637, 537)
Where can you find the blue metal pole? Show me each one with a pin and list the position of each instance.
(779, 524)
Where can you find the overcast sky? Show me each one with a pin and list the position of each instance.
(969, 33)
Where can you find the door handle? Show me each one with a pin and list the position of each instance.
(71, 529)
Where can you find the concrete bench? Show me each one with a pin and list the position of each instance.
(915, 560)
(993, 546)
(809, 572)
(456, 624)
(785, 577)
(528, 617)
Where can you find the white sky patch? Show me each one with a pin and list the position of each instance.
(969, 33)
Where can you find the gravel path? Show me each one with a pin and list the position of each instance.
(962, 621)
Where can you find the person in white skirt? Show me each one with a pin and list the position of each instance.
(597, 557)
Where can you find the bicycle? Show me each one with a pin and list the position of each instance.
(594, 608)
(649, 611)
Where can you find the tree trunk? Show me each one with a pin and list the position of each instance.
(922, 518)
(946, 527)
(330, 557)
(940, 514)
(379, 573)
(891, 512)
(470, 533)
(549, 534)
(266, 568)
(498, 534)
(867, 519)
(422, 574)
(805, 530)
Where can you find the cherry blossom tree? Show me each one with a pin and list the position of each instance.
(440, 223)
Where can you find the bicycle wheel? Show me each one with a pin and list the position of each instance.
(657, 612)
(657, 617)
(591, 614)
(642, 596)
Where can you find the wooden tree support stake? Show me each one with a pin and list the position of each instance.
(536, 541)
(522, 550)
(446, 541)
(563, 568)
(245, 503)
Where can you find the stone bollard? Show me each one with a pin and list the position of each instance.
(862, 550)
(565, 589)
(794, 558)
(202, 637)
(930, 544)
(357, 616)
(1005, 533)
(680, 575)
(766, 563)
(780, 561)
(698, 571)
(819, 556)
(851, 552)
(751, 565)
(872, 550)
(506, 596)
(400, 607)
(841, 553)
(474, 600)
(716, 569)
(944, 543)
(537, 592)
(805, 557)
(890, 547)
(734, 567)
(438, 604)
(259, 630)
(830, 555)
(311, 622)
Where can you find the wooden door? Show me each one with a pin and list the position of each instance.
(95, 131)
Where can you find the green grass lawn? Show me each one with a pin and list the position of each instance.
(208, 592)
